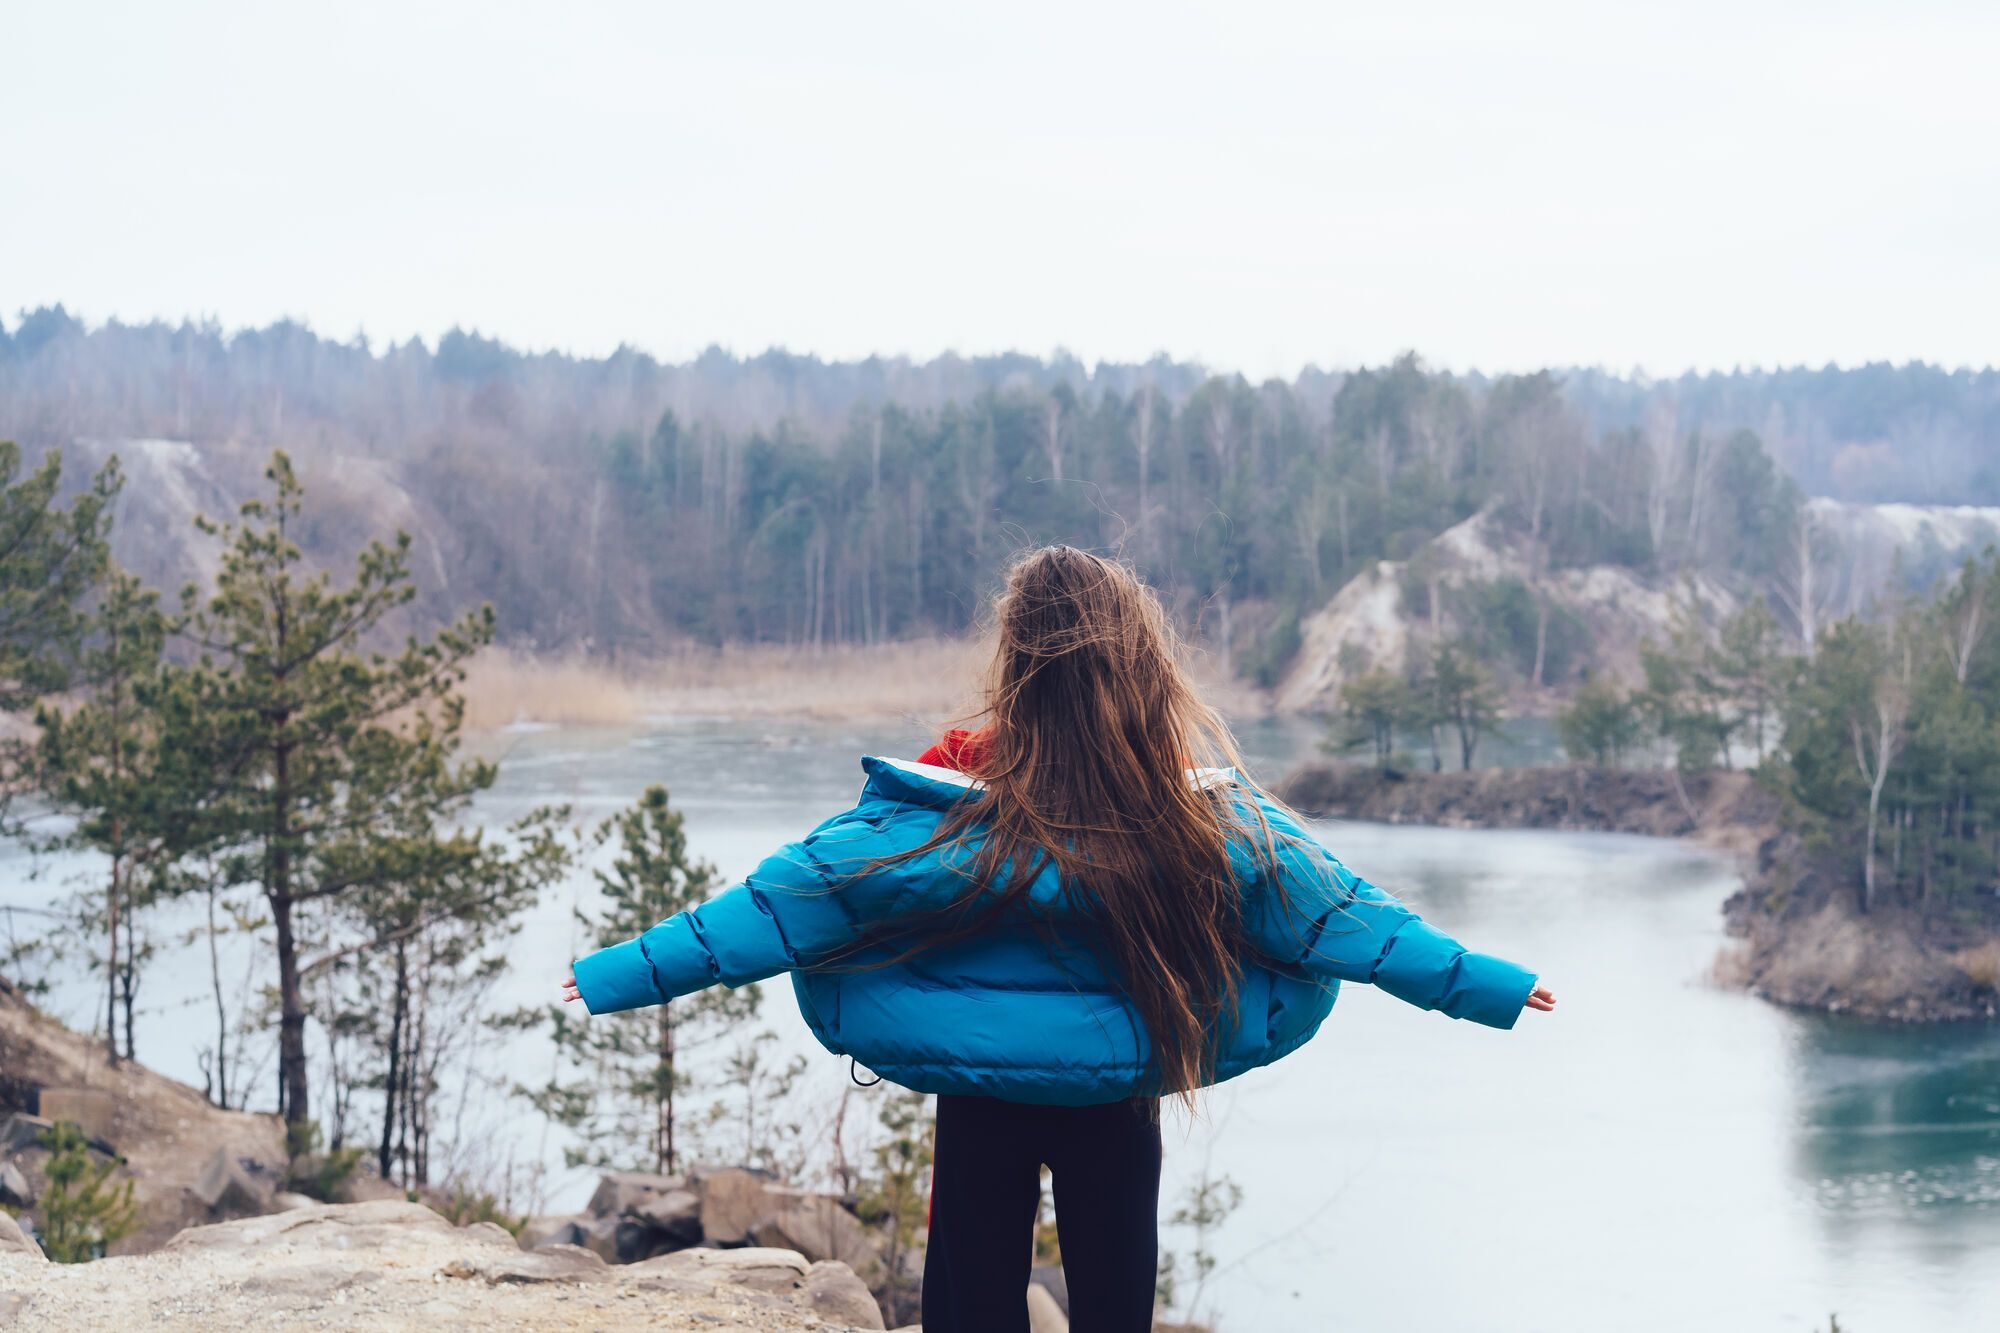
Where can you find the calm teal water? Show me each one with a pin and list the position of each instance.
(1659, 1155)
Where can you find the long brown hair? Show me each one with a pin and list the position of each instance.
(1093, 728)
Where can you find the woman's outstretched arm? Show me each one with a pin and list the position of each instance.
(801, 903)
(1332, 923)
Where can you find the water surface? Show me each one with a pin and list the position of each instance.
(1659, 1155)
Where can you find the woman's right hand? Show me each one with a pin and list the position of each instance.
(1542, 998)
(570, 992)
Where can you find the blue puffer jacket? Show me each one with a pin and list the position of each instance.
(1003, 1014)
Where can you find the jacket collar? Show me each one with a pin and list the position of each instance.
(928, 784)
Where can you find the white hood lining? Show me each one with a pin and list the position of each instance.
(1200, 777)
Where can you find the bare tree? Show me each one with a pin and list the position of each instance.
(1802, 584)
(1052, 421)
(1965, 620)
(1877, 737)
(1659, 437)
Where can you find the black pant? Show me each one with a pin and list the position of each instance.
(1105, 1165)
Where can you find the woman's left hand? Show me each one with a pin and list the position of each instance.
(1542, 998)
(570, 992)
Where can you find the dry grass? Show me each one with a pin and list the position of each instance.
(1981, 964)
(502, 687)
(934, 679)
(931, 678)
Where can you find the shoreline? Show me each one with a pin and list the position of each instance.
(1795, 939)
(935, 679)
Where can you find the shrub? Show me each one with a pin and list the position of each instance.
(83, 1213)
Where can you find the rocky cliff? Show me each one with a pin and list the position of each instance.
(169, 1137)
(1366, 625)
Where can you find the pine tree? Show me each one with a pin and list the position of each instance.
(323, 755)
(82, 1213)
(50, 559)
(102, 761)
(1462, 693)
(632, 1064)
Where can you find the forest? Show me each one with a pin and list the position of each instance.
(619, 506)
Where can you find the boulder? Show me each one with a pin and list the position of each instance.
(13, 1240)
(818, 1227)
(757, 1268)
(733, 1204)
(93, 1110)
(284, 1201)
(364, 1186)
(674, 1215)
(359, 1226)
(21, 1130)
(540, 1231)
(839, 1296)
(1044, 1315)
(552, 1263)
(233, 1186)
(491, 1232)
(15, 1191)
(600, 1237)
(624, 1192)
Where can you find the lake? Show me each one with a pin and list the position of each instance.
(1657, 1155)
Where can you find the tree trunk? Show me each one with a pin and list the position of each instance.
(111, 963)
(221, 1008)
(391, 1087)
(665, 1155)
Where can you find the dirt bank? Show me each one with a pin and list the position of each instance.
(1725, 810)
(166, 1132)
(1801, 940)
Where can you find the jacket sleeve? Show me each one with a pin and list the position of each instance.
(1331, 923)
(801, 902)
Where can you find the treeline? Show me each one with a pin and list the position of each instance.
(621, 505)
(1882, 734)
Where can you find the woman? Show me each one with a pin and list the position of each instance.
(1052, 923)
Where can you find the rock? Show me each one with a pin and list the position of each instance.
(284, 1201)
(675, 1215)
(838, 1295)
(818, 1227)
(93, 1110)
(21, 1130)
(540, 1231)
(233, 1186)
(15, 1191)
(758, 1268)
(552, 1263)
(354, 1226)
(13, 1240)
(396, 1265)
(308, 1286)
(489, 1231)
(364, 1186)
(1044, 1315)
(624, 1192)
(733, 1204)
(600, 1237)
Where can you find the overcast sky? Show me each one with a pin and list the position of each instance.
(1258, 186)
